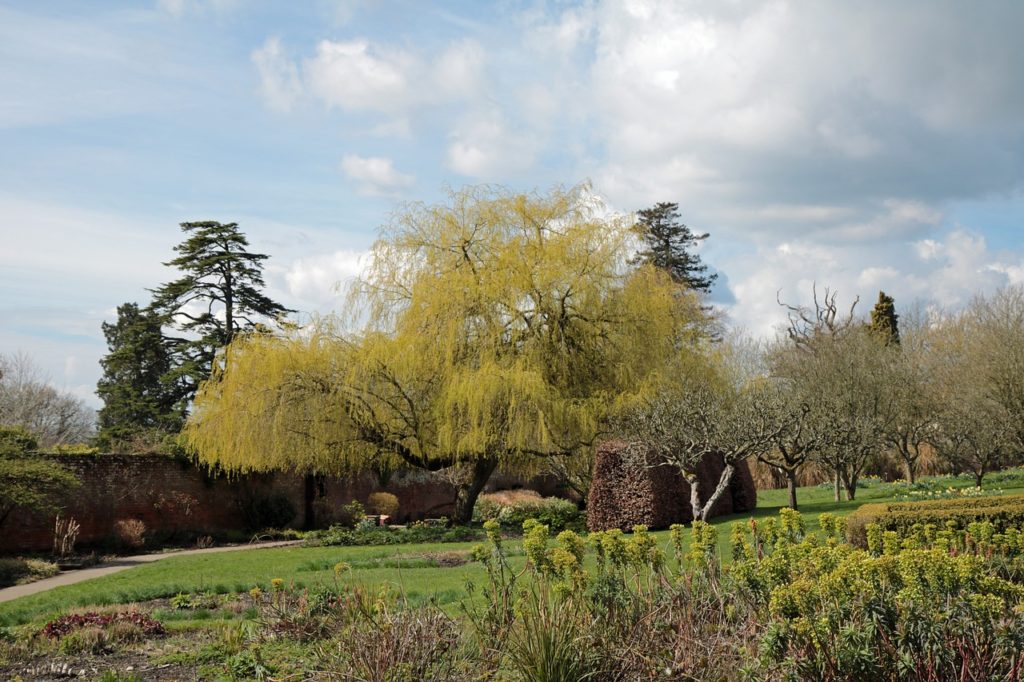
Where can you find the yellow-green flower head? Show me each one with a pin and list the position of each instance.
(493, 530)
(480, 553)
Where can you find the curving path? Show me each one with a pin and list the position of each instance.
(120, 564)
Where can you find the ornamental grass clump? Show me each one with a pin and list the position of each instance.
(307, 614)
(391, 642)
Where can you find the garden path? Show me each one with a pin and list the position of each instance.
(120, 564)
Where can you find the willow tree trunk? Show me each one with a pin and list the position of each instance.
(470, 487)
(309, 520)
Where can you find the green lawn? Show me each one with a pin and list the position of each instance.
(411, 569)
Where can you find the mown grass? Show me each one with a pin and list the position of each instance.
(408, 569)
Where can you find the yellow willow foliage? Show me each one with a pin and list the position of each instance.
(496, 325)
(273, 406)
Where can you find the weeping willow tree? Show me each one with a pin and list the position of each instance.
(496, 329)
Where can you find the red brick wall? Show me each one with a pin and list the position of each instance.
(174, 496)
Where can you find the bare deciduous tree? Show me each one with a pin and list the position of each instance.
(29, 401)
(845, 370)
(798, 435)
(975, 436)
(807, 324)
(995, 327)
(705, 413)
(978, 358)
(914, 424)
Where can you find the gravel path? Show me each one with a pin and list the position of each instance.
(120, 564)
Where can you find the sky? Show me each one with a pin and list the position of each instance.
(861, 146)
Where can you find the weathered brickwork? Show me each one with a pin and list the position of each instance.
(175, 497)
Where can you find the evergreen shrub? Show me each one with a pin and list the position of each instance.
(1002, 511)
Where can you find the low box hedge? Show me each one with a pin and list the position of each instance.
(1003, 511)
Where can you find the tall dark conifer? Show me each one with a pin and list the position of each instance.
(138, 402)
(884, 319)
(219, 295)
(669, 244)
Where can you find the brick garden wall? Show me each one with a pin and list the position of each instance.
(174, 497)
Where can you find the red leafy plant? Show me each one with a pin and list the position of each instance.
(64, 625)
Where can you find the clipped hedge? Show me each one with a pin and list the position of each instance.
(1002, 511)
(630, 488)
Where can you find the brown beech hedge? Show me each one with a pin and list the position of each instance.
(629, 488)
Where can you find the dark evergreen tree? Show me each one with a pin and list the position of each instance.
(141, 400)
(218, 296)
(668, 244)
(884, 319)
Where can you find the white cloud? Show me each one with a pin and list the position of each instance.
(376, 175)
(364, 76)
(893, 219)
(913, 212)
(173, 7)
(319, 279)
(776, 103)
(280, 84)
(927, 249)
(179, 8)
(956, 266)
(354, 76)
(876, 278)
(458, 71)
(564, 33)
(484, 146)
(360, 75)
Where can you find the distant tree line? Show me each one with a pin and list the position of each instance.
(29, 401)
